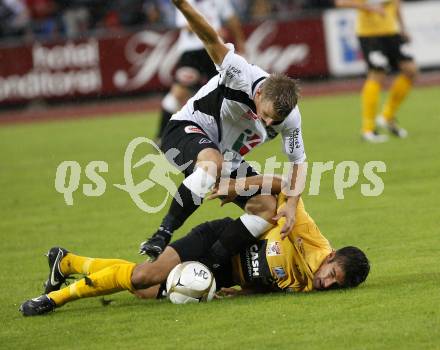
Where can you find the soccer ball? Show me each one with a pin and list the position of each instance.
(190, 282)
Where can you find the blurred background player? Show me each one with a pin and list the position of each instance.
(195, 67)
(382, 36)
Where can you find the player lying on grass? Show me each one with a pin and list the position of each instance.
(238, 109)
(302, 262)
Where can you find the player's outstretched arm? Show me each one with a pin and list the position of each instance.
(228, 190)
(214, 45)
(293, 193)
(234, 25)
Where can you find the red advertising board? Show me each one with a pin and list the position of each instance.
(144, 61)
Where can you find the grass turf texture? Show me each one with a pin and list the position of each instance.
(396, 308)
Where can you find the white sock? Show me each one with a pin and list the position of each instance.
(200, 182)
(255, 224)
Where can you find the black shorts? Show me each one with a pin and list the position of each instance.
(199, 61)
(189, 140)
(383, 52)
(195, 245)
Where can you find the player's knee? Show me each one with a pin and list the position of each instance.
(410, 70)
(147, 275)
(263, 206)
(211, 161)
(377, 75)
(141, 276)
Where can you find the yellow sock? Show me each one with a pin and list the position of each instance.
(370, 100)
(400, 88)
(72, 264)
(109, 280)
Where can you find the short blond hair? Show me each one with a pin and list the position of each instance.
(282, 91)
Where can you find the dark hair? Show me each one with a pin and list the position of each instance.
(355, 265)
(282, 91)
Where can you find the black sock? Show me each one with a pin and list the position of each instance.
(177, 214)
(234, 238)
(165, 118)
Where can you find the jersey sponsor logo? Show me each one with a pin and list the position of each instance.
(294, 140)
(254, 264)
(249, 115)
(246, 142)
(279, 272)
(254, 260)
(204, 140)
(273, 249)
(232, 72)
(190, 129)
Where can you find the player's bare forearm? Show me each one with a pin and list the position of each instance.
(214, 45)
(288, 212)
(244, 290)
(292, 203)
(293, 193)
(228, 190)
(298, 180)
(234, 26)
(297, 184)
(233, 292)
(274, 181)
(278, 184)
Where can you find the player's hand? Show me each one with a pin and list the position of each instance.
(240, 48)
(225, 190)
(289, 215)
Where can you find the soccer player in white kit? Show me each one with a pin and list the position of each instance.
(241, 107)
(195, 67)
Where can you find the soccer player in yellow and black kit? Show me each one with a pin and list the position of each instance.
(382, 36)
(301, 262)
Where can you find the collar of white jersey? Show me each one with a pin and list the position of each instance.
(257, 83)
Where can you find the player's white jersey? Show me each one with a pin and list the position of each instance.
(214, 11)
(225, 110)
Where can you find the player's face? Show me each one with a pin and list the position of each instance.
(329, 275)
(265, 110)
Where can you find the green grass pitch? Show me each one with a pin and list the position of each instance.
(397, 308)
